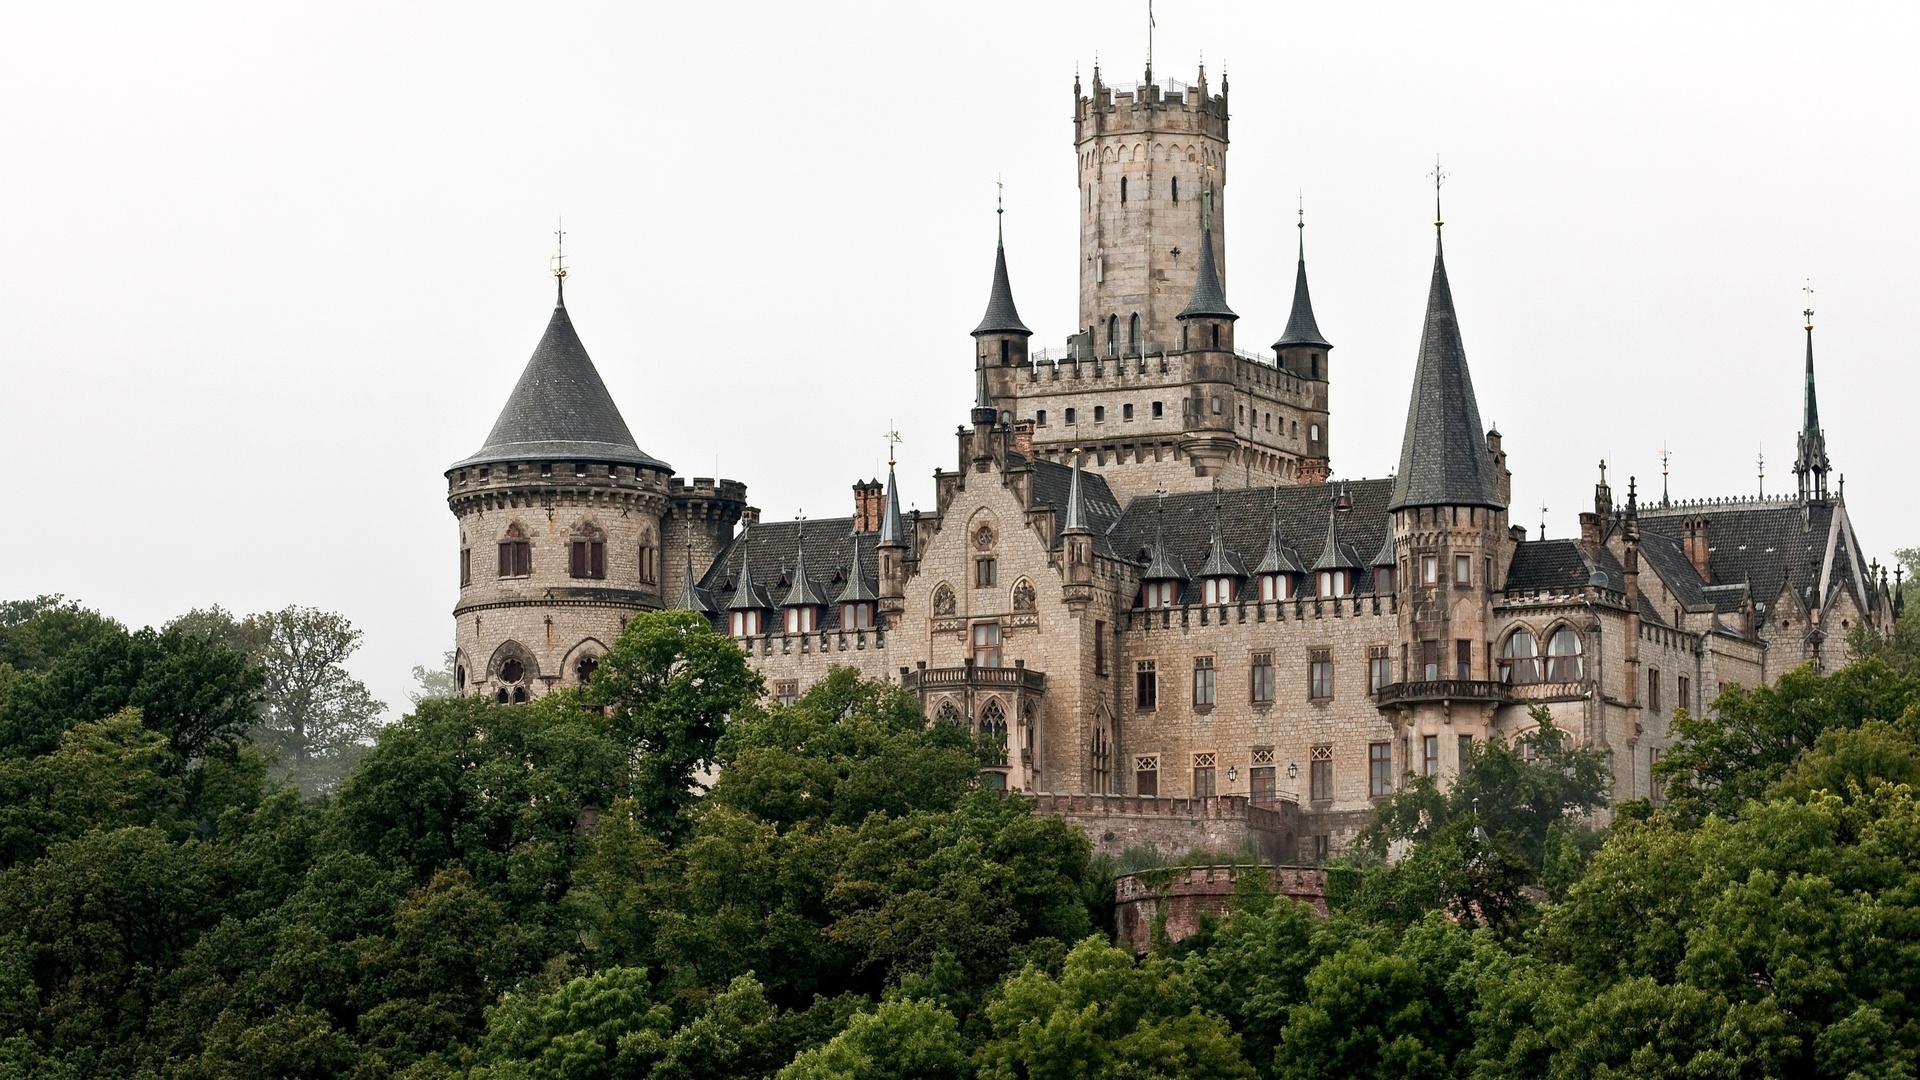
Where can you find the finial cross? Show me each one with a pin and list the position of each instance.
(893, 440)
(1808, 289)
(559, 264)
(1440, 176)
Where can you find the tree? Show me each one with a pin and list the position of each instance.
(900, 1040)
(1728, 757)
(435, 683)
(669, 685)
(319, 716)
(1105, 1017)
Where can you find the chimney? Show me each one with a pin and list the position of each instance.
(1590, 529)
(1693, 538)
(868, 496)
(1023, 439)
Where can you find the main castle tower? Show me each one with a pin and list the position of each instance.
(1152, 386)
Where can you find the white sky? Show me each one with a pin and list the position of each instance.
(266, 270)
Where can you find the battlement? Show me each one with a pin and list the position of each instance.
(1164, 105)
(705, 487)
(1731, 502)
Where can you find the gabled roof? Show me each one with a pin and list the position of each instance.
(802, 592)
(1209, 299)
(561, 410)
(776, 547)
(856, 589)
(1335, 555)
(1443, 455)
(1220, 561)
(746, 595)
(1281, 559)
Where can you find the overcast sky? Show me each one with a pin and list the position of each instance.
(270, 268)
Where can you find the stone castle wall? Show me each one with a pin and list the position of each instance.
(1171, 904)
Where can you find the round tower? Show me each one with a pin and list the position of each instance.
(1145, 155)
(561, 532)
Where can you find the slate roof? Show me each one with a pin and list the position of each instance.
(1559, 565)
(1053, 487)
(1209, 299)
(561, 410)
(769, 552)
(1301, 327)
(1001, 317)
(1246, 522)
(1764, 545)
(1443, 455)
(1664, 556)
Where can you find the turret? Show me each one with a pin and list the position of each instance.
(1206, 340)
(1076, 542)
(1302, 349)
(893, 552)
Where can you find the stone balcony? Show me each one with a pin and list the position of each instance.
(972, 677)
(1444, 691)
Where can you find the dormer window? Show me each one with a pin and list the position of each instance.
(1276, 586)
(1336, 582)
(1218, 590)
(802, 620)
(1157, 594)
(857, 615)
(745, 624)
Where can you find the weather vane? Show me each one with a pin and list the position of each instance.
(1761, 462)
(1664, 455)
(1808, 289)
(559, 262)
(893, 440)
(1440, 176)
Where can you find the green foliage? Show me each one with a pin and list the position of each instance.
(901, 1040)
(1729, 757)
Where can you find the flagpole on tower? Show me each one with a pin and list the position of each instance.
(1150, 25)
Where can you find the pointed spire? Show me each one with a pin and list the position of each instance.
(560, 409)
(1220, 562)
(1443, 455)
(856, 589)
(1301, 327)
(801, 592)
(1001, 317)
(1209, 299)
(1279, 559)
(984, 414)
(1335, 556)
(690, 598)
(1076, 520)
(890, 530)
(746, 596)
(1161, 566)
(1811, 465)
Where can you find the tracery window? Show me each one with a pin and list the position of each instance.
(1520, 659)
(993, 732)
(1023, 599)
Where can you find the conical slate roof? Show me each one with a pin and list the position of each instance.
(1301, 327)
(560, 409)
(1336, 555)
(1076, 520)
(1001, 317)
(890, 528)
(1279, 559)
(1209, 299)
(1443, 456)
(856, 588)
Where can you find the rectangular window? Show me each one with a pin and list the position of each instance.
(1158, 410)
(649, 564)
(1463, 660)
(589, 559)
(1379, 769)
(1682, 689)
(1466, 751)
(1486, 571)
(1261, 681)
(1203, 681)
(985, 573)
(1653, 689)
(1146, 686)
(1146, 775)
(1069, 416)
(986, 644)
(1099, 647)
(516, 558)
(466, 567)
(1430, 661)
(1040, 418)
(787, 690)
(1099, 414)
(1126, 412)
(1320, 773)
(1262, 788)
(1430, 755)
(1157, 594)
(1429, 569)
(1379, 668)
(1320, 674)
(856, 616)
(1203, 776)
(1462, 570)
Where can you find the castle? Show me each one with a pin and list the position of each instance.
(1139, 586)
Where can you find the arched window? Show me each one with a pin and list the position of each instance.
(1520, 659)
(993, 732)
(1133, 334)
(1113, 332)
(588, 555)
(1276, 586)
(516, 553)
(1335, 582)
(519, 695)
(1563, 656)
(1218, 590)
(583, 671)
(949, 713)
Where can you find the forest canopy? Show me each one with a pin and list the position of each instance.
(197, 879)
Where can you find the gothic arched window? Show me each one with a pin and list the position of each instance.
(993, 732)
(1563, 656)
(584, 670)
(1113, 331)
(1100, 756)
(588, 555)
(949, 713)
(1520, 658)
(1133, 334)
